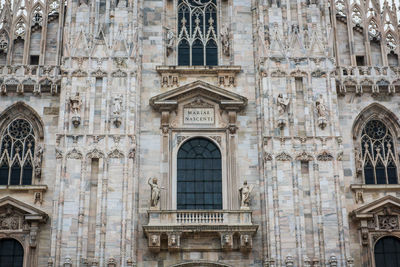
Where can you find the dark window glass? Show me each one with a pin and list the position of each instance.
(387, 252)
(15, 174)
(27, 174)
(183, 53)
(199, 175)
(212, 53)
(34, 60)
(197, 53)
(360, 60)
(11, 253)
(4, 173)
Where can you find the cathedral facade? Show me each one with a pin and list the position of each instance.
(166, 133)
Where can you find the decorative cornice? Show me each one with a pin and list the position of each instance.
(304, 156)
(325, 156)
(74, 154)
(283, 156)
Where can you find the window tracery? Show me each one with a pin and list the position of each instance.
(17, 153)
(20, 29)
(378, 154)
(197, 32)
(37, 17)
(390, 42)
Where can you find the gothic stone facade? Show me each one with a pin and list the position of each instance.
(299, 98)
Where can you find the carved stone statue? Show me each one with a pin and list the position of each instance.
(225, 39)
(283, 103)
(244, 194)
(76, 103)
(155, 192)
(170, 39)
(38, 161)
(321, 106)
(117, 105)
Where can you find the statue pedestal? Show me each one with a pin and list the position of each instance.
(154, 208)
(244, 207)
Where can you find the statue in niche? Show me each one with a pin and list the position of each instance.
(76, 103)
(170, 39)
(244, 194)
(117, 105)
(321, 112)
(38, 161)
(155, 192)
(321, 106)
(283, 104)
(225, 39)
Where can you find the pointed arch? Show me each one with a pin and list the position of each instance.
(374, 131)
(379, 112)
(24, 111)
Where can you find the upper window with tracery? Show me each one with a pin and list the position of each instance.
(17, 153)
(197, 33)
(378, 154)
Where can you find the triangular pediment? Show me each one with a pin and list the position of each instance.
(29, 212)
(381, 205)
(226, 99)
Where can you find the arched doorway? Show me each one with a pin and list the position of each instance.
(199, 175)
(11, 253)
(387, 252)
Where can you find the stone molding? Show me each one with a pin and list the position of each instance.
(225, 75)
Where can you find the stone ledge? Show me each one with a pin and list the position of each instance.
(198, 69)
(225, 75)
(374, 187)
(42, 188)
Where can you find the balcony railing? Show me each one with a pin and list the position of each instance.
(174, 224)
(199, 217)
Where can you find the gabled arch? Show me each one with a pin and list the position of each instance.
(376, 111)
(22, 110)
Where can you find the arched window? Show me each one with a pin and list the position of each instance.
(11, 253)
(17, 153)
(378, 154)
(197, 32)
(199, 175)
(387, 252)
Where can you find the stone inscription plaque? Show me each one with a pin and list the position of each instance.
(198, 115)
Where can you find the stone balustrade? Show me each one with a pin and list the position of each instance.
(370, 79)
(174, 224)
(29, 78)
